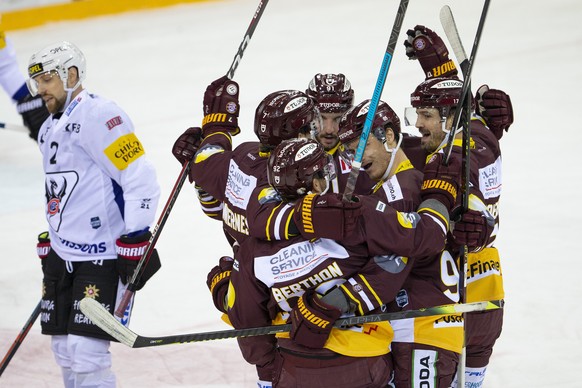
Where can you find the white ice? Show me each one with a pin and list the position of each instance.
(156, 65)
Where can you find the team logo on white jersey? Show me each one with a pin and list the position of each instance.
(58, 189)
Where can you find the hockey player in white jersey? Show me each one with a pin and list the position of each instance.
(101, 198)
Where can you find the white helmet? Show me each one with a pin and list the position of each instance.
(58, 57)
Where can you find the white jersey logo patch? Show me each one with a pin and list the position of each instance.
(296, 260)
(239, 186)
(490, 179)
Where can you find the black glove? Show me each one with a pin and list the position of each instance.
(326, 216)
(217, 281)
(187, 144)
(425, 45)
(495, 107)
(312, 320)
(442, 182)
(33, 112)
(129, 252)
(221, 107)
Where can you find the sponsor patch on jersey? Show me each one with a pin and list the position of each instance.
(392, 189)
(114, 122)
(296, 260)
(239, 186)
(73, 105)
(490, 179)
(124, 151)
(448, 321)
(424, 371)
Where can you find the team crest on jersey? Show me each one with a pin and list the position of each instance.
(58, 189)
(91, 291)
(124, 151)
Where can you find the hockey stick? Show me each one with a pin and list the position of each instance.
(357, 162)
(466, 84)
(450, 27)
(102, 318)
(131, 287)
(20, 338)
(247, 38)
(14, 127)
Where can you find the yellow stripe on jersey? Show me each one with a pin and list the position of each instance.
(367, 340)
(369, 287)
(124, 151)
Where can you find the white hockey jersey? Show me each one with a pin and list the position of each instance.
(99, 185)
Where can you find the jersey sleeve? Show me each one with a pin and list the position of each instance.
(115, 148)
(268, 216)
(412, 234)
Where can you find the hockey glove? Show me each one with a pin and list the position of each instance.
(33, 112)
(312, 320)
(425, 45)
(326, 216)
(43, 247)
(221, 107)
(441, 182)
(218, 280)
(187, 144)
(130, 249)
(496, 108)
(475, 227)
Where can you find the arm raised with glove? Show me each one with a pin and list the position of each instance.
(495, 107)
(221, 108)
(424, 45)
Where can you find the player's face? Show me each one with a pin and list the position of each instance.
(429, 124)
(376, 158)
(51, 89)
(327, 135)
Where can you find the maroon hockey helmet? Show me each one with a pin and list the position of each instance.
(332, 92)
(352, 122)
(441, 93)
(284, 115)
(294, 163)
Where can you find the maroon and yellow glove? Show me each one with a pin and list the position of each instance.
(221, 107)
(312, 320)
(187, 144)
(495, 107)
(326, 216)
(217, 281)
(425, 45)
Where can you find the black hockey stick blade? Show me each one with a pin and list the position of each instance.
(107, 322)
(243, 45)
(137, 273)
(20, 338)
